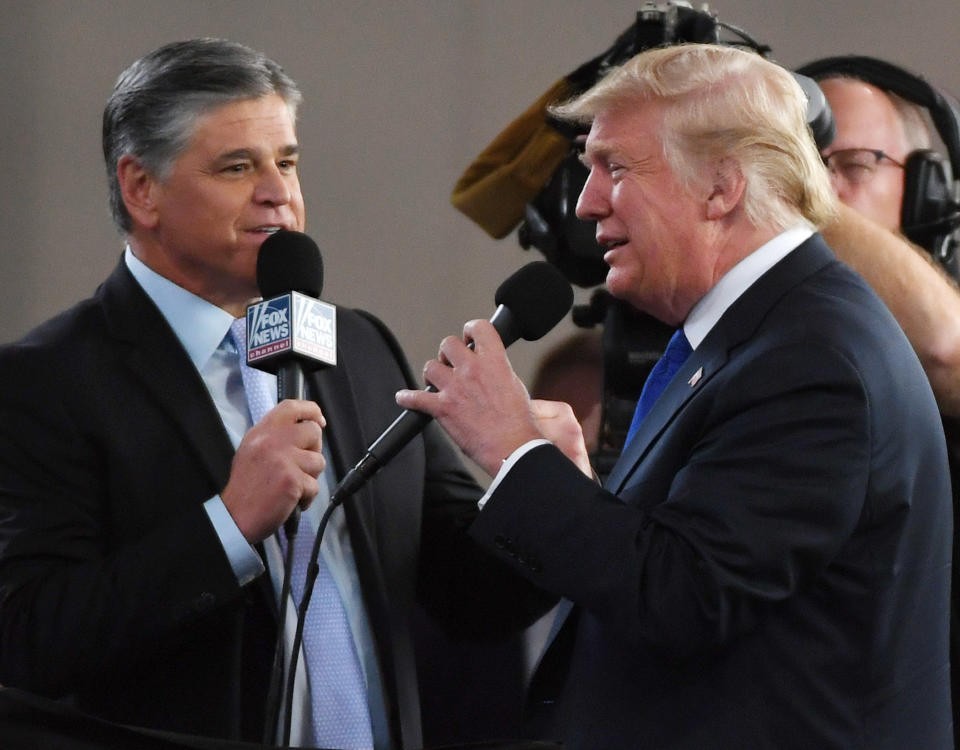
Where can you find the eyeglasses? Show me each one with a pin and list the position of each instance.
(857, 165)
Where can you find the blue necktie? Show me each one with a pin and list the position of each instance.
(676, 353)
(340, 716)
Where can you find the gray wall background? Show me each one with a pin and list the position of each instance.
(400, 96)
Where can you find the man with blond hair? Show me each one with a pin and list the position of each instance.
(768, 564)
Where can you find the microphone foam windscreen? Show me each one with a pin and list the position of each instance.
(538, 296)
(289, 262)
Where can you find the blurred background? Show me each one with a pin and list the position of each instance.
(400, 97)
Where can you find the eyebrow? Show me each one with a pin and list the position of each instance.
(246, 153)
(596, 150)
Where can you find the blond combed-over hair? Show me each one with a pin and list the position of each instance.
(724, 104)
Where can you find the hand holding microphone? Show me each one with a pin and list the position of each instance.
(474, 393)
(530, 303)
(289, 333)
(275, 469)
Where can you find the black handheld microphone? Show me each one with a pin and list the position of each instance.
(529, 303)
(290, 332)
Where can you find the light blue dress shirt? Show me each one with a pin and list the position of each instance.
(201, 327)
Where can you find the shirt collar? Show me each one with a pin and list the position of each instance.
(198, 324)
(705, 314)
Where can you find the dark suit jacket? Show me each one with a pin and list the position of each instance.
(769, 563)
(114, 589)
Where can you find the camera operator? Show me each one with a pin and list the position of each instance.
(877, 131)
(920, 294)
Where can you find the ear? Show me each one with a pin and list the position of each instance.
(138, 188)
(727, 189)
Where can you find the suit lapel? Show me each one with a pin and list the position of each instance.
(367, 522)
(156, 358)
(331, 388)
(695, 373)
(736, 325)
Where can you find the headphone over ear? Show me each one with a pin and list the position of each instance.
(930, 215)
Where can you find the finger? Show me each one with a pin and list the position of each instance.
(308, 490)
(311, 463)
(300, 410)
(437, 374)
(483, 335)
(453, 352)
(418, 401)
(543, 409)
(307, 435)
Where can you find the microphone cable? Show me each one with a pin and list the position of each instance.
(313, 570)
(530, 303)
(276, 674)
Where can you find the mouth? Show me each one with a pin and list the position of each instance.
(267, 229)
(609, 244)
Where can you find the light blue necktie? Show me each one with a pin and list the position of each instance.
(338, 694)
(676, 353)
(260, 387)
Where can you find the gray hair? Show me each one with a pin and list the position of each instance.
(153, 109)
(915, 126)
(725, 103)
(913, 119)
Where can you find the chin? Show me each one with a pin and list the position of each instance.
(618, 285)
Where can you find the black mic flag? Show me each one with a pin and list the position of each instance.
(529, 303)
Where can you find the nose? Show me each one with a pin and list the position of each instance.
(273, 187)
(593, 203)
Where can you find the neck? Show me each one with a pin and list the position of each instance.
(232, 300)
(741, 240)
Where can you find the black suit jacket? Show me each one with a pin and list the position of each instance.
(115, 592)
(769, 563)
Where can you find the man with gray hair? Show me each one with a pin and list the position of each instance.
(142, 499)
(768, 564)
(881, 138)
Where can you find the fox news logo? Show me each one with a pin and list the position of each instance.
(292, 324)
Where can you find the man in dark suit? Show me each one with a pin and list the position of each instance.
(768, 564)
(138, 499)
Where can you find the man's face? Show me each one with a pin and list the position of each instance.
(227, 192)
(655, 232)
(867, 119)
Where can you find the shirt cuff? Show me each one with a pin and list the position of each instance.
(244, 560)
(508, 464)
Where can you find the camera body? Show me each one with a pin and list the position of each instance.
(550, 223)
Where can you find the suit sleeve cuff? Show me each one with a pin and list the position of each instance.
(508, 464)
(244, 560)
